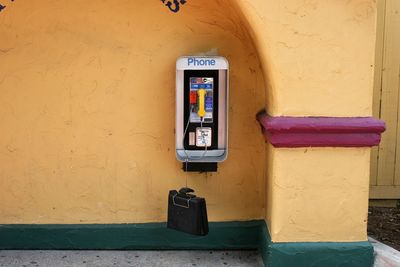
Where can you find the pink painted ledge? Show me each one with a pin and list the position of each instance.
(321, 131)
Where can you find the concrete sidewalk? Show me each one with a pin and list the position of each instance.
(54, 258)
(385, 256)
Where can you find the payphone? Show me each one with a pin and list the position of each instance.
(201, 112)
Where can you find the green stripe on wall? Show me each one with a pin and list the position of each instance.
(222, 235)
(316, 254)
(352, 254)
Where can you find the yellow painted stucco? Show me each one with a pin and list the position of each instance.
(87, 111)
(317, 58)
(317, 55)
(318, 194)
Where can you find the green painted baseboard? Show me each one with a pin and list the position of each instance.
(222, 235)
(324, 254)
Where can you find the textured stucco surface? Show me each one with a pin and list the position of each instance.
(317, 55)
(318, 194)
(87, 111)
(317, 58)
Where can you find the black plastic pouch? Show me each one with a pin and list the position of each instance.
(187, 212)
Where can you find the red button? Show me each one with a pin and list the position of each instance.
(193, 97)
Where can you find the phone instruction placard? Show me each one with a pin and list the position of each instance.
(203, 136)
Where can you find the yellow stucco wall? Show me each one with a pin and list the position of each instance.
(318, 194)
(317, 55)
(87, 111)
(317, 58)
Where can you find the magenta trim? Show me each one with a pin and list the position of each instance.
(321, 131)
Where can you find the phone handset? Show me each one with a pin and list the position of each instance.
(201, 113)
(201, 94)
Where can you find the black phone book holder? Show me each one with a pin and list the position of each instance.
(187, 212)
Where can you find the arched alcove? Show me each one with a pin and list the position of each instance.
(88, 97)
